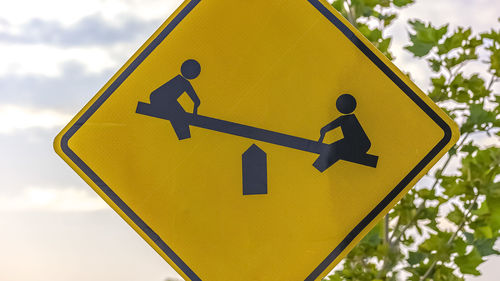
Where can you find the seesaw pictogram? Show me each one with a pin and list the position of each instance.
(352, 148)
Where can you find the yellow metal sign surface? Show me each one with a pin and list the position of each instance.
(255, 140)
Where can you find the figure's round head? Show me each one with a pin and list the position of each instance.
(346, 104)
(190, 69)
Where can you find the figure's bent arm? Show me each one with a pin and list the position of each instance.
(330, 126)
(194, 97)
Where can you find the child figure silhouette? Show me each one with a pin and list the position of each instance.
(164, 99)
(353, 146)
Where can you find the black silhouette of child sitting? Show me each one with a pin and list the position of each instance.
(164, 99)
(353, 146)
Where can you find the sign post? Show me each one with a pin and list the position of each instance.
(255, 140)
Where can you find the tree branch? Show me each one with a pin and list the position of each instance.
(351, 17)
(386, 230)
(492, 81)
(421, 207)
(453, 236)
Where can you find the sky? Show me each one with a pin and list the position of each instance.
(54, 56)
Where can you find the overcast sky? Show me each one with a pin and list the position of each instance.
(55, 55)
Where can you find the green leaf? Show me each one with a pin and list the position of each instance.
(459, 246)
(439, 81)
(338, 5)
(429, 213)
(416, 257)
(388, 19)
(484, 232)
(374, 237)
(494, 217)
(495, 61)
(426, 33)
(432, 243)
(479, 117)
(436, 65)
(477, 86)
(469, 148)
(485, 247)
(468, 264)
(402, 3)
(483, 210)
(419, 49)
(384, 44)
(469, 237)
(456, 40)
(493, 35)
(456, 216)
(439, 92)
(437, 244)
(455, 188)
(494, 190)
(424, 37)
(444, 273)
(425, 193)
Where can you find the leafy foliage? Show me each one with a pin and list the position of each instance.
(446, 230)
(371, 17)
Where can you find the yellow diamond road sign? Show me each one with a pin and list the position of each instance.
(255, 140)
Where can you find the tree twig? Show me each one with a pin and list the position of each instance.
(492, 81)
(421, 206)
(453, 236)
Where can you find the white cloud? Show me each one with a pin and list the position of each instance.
(20, 59)
(15, 118)
(93, 30)
(41, 58)
(484, 140)
(37, 198)
(68, 12)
